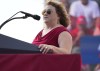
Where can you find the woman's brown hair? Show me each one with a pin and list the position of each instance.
(61, 11)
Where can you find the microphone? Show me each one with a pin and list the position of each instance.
(37, 17)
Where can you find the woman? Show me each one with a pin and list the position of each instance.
(54, 37)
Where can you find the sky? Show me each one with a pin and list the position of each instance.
(22, 29)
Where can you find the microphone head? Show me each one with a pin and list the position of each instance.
(37, 17)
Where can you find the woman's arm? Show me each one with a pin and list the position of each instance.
(65, 45)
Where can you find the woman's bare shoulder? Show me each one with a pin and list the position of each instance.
(65, 34)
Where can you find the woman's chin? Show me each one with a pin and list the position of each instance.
(46, 21)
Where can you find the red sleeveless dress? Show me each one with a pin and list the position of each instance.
(51, 38)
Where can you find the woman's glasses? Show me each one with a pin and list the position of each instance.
(46, 11)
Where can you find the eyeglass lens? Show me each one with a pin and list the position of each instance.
(48, 12)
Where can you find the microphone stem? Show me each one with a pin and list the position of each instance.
(11, 19)
(14, 15)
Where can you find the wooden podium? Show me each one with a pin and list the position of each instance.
(40, 62)
(16, 55)
(9, 45)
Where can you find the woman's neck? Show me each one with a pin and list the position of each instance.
(51, 25)
(49, 28)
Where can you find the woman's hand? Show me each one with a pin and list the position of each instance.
(44, 48)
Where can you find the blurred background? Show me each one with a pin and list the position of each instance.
(23, 29)
(84, 16)
(85, 22)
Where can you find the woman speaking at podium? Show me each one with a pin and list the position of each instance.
(54, 37)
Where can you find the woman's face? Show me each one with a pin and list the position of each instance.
(49, 14)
